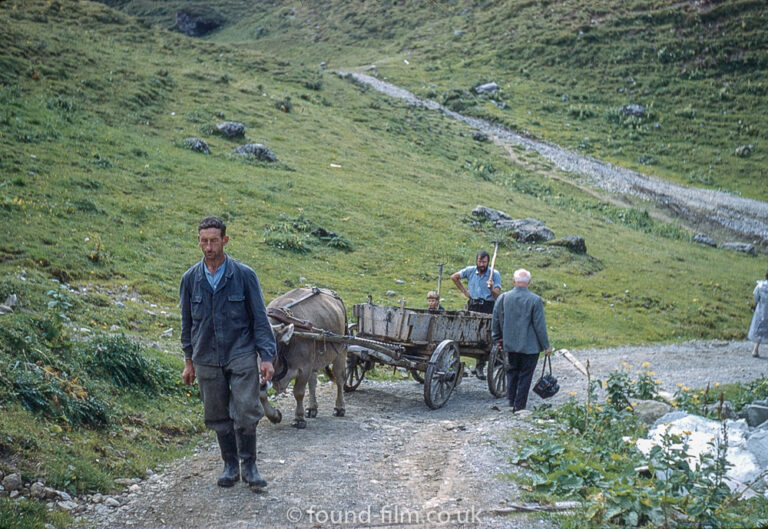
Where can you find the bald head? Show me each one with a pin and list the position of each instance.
(522, 277)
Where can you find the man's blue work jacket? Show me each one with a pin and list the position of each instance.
(217, 327)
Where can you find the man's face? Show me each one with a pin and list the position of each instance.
(212, 243)
(433, 303)
(482, 264)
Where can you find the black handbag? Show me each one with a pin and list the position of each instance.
(547, 385)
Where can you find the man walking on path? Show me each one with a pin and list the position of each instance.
(482, 291)
(519, 327)
(224, 330)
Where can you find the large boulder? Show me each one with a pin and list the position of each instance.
(197, 21)
(574, 243)
(487, 88)
(494, 215)
(257, 150)
(758, 445)
(703, 239)
(527, 230)
(196, 144)
(649, 411)
(755, 414)
(739, 247)
(12, 482)
(231, 129)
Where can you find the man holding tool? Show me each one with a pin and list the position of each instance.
(483, 287)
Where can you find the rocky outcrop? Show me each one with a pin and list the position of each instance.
(196, 144)
(257, 150)
(231, 129)
(574, 243)
(739, 247)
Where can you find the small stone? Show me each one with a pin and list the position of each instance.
(134, 488)
(399, 281)
(12, 482)
(390, 293)
(703, 239)
(63, 495)
(66, 505)
(37, 490)
(111, 502)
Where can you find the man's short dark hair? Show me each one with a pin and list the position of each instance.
(212, 222)
(481, 254)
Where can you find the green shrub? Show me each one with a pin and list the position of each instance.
(122, 361)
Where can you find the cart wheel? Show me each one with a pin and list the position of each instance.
(356, 368)
(442, 374)
(497, 372)
(417, 376)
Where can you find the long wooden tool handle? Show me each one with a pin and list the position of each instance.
(493, 260)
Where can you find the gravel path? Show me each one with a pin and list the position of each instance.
(391, 460)
(743, 217)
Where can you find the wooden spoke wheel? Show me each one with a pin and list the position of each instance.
(355, 372)
(497, 372)
(442, 374)
(417, 375)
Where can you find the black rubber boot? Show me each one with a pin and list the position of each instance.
(228, 447)
(247, 445)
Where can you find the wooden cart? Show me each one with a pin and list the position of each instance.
(428, 344)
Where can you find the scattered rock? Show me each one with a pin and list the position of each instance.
(758, 445)
(111, 502)
(64, 496)
(487, 88)
(390, 293)
(12, 482)
(494, 215)
(167, 333)
(231, 129)
(564, 98)
(197, 24)
(574, 243)
(257, 150)
(527, 230)
(66, 505)
(323, 233)
(196, 144)
(134, 488)
(37, 490)
(459, 32)
(755, 414)
(479, 136)
(399, 281)
(742, 151)
(634, 110)
(703, 239)
(739, 247)
(649, 411)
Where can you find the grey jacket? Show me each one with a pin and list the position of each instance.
(217, 327)
(518, 317)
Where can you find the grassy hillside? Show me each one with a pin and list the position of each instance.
(100, 197)
(565, 69)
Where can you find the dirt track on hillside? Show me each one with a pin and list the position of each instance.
(706, 210)
(391, 459)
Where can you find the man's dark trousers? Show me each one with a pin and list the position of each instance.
(519, 376)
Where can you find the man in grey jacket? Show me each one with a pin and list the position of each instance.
(224, 331)
(519, 327)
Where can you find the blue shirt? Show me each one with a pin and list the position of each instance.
(214, 278)
(477, 283)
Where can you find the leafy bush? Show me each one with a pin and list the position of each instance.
(122, 361)
(43, 389)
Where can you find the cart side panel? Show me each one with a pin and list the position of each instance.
(382, 322)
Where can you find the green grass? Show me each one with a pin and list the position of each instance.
(98, 192)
